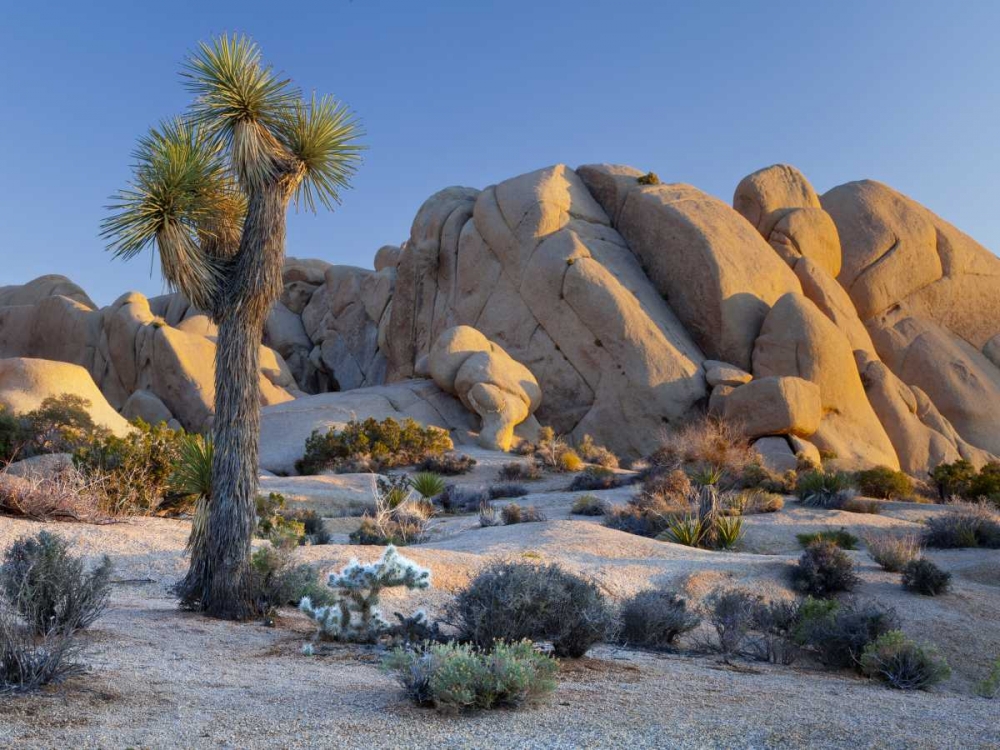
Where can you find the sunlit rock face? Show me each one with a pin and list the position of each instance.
(856, 323)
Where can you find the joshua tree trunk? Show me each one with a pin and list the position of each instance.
(219, 579)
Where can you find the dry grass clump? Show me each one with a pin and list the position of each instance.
(967, 525)
(519, 472)
(593, 453)
(590, 505)
(706, 443)
(892, 551)
(66, 496)
(595, 478)
(514, 513)
(399, 517)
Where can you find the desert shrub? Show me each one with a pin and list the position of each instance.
(60, 424)
(594, 478)
(352, 613)
(132, 474)
(29, 661)
(706, 443)
(654, 619)
(427, 484)
(774, 626)
(820, 489)
(447, 464)
(731, 615)
(903, 664)
(924, 577)
(488, 516)
(397, 518)
(499, 491)
(892, 551)
(64, 496)
(728, 531)
(990, 685)
(379, 445)
(273, 522)
(841, 537)
(458, 677)
(839, 633)
(519, 472)
(650, 178)
(754, 475)
(824, 570)
(589, 505)
(50, 588)
(511, 601)
(703, 521)
(665, 487)
(593, 453)
(569, 460)
(754, 501)
(276, 582)
(13, 436)
(687, 530)
(643, 515)
(313, 529)
(514, 513)
(884, 483)
(966, 525)
(961, 479)
(861, 505)
(457, 499)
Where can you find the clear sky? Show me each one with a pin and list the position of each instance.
(473, 92)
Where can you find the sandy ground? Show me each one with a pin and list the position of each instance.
(159, 677)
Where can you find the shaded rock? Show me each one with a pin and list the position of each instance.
(46, 466)
(798, 340)
(776, 454)
(146, 406)
(775, 406)
(501, 391)
(805, 452)
(834, 302)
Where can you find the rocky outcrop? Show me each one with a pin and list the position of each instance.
(797, 340)
(132, 346)
(487, 381)
(25, 383)
(775, 406)
(536, 266)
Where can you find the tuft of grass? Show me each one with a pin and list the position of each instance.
(841, 537)
(892, 551)
(589, 505)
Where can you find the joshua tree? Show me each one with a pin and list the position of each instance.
(210, 191)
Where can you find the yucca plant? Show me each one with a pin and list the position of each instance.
(192, 478)
(687, 530)
(210, 191)
(427, 484)
(728, 531)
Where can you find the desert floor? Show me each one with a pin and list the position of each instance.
(159, 677)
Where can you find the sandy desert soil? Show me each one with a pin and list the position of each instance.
(159, 677)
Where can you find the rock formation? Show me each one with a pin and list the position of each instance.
(502, 391)
(857, 323)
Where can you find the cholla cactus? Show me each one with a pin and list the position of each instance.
(354, 615)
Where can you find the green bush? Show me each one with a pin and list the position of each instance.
(277, 582)
(990, 686)
(654, 619)
(372, 446)
(132, 474)
(457, 677)
(884, 483)
(903, 664)
(924, 577)
(273, 523)
(966, 525)
(589, 505)
(839, 633)
(819, 489)
(61, 424)
(49, 588)
(961, 479)
(594, 478)
(511, 601)
(824, 570)
(841, 537)
(12, 436)
(447, 464)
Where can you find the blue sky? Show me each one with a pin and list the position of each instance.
(473, 92)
